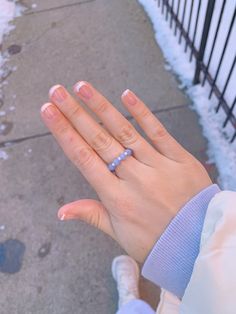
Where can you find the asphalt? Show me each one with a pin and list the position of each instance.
(64, 267)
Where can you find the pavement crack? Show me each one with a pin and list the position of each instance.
(169, 109)
(59, 7)
(161, 110)
(10, 143)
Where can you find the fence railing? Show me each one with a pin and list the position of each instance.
(196, 19)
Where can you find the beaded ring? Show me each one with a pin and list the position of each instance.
(127, 152)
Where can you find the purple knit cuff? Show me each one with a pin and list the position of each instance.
(136, 307)
(170, 263)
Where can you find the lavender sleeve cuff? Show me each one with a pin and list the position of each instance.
(170, 263)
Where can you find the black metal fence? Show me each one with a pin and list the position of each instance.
(180, 22)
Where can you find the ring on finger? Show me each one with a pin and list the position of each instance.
(127, 152)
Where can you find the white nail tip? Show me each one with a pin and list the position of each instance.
(44, 107)
(126, 92)
(78, 86)
(52, 89)
(63, 217)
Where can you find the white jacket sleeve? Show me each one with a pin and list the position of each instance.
(212, 287)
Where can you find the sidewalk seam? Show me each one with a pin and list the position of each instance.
(58, 7)
(10, 143)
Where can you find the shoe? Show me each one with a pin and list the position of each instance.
(125, 271)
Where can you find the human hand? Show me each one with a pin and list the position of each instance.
(147, 190)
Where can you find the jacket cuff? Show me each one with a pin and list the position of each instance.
(170, 263)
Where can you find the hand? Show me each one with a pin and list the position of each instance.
(139, 200)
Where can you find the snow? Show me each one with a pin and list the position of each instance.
(8, 11)
(3, 155)
(2, 227)
(220, 151)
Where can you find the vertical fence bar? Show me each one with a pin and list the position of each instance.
(214, 42)
(233, 138)
(206, 28)
(177, 13)
(167, 11)
(189, 23)
(171, 14)
(195, 29)
(229, 113)
(226, 84)
(182, 22)
(222, 54)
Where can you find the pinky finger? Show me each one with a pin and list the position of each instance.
(156, 132)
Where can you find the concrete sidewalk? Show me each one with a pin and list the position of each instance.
(66, 265)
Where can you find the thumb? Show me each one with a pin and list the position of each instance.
(91, 211)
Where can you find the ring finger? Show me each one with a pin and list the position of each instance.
(117, 124)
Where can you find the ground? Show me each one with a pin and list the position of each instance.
(66, 265)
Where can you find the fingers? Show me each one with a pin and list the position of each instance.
(91, 211)
(78, 151)
(92, 132)
(116, 123)
(159, 136)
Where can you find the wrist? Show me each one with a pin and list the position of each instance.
(171, 260)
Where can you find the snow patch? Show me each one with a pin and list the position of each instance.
(220, 151)
(8, 11)
(3, 155)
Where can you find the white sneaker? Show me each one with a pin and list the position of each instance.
(125, 271)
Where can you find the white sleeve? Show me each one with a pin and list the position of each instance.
(212, 287)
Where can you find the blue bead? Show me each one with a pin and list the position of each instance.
(116, 161)
(123, 156)
(128, 151)
(111, 167)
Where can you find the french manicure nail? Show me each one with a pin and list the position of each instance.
(62, 217)
(83, 90)
(49, 110)
(57, 93)
(129, 96)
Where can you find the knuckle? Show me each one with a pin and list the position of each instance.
(127, 135)
(83, 157)
(101, 106)
(94, 219)
(74, 113)
(62, 129)
(143, 114)
(102, 141)
(158, 133)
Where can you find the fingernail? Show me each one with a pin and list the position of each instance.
(62, 217)
(83, 90)
(130, 97)
(57, 93)
(49, 110)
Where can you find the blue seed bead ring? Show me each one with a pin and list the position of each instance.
(127, 152)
